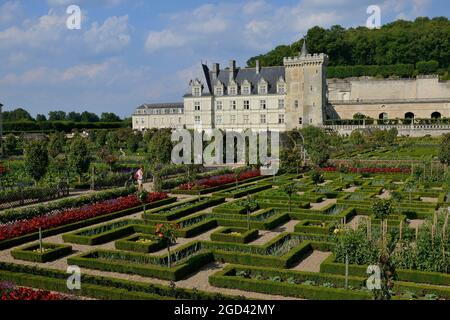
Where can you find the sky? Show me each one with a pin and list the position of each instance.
(131, 52)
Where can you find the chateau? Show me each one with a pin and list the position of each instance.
(292, 96)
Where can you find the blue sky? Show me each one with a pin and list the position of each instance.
(130, 52)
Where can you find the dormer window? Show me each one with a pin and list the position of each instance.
(197, 88)
(232, 88)
(197, 91)
(281, 86)
(263, 87)
(219, 89)
(246, 88)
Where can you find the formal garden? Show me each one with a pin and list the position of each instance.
(319, 230)
(309, 236)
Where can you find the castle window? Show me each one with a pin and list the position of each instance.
(196, 91)
(219, 105)
(296, 104)
(246, 90)
(232, 90)
(281, 119)
(233, 105)
(409, 115)
(197, 106)
(300, 120)
(281, 88)
(262, 89)
(219, 91)
(436, 115)
(263, 119)
(281, 104)
(246, 119)
(262, 104)
(197, 120)
(383, 116)
(233, 119)
(219, 120)
(246, 105)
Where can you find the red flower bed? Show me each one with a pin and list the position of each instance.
(220, 180)
(370, 170)
(23, 227)
(11, 292)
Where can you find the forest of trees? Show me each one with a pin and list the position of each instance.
(422, 45)
(21, 115)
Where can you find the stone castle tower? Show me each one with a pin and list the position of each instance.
(306, 77)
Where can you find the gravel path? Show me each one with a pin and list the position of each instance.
(312, 262)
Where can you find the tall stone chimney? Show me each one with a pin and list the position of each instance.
(258, 67)
(232, 69)
(215, 70)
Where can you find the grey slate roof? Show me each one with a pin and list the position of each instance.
(162, 106)
(270, 74)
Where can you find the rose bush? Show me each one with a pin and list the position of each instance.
(23, 227)
(369, 170)
(220, 180)
(10, 292)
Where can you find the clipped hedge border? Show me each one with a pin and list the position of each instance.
(27, 254)
(236, 193)
(205, 202)
(227, 279)
(6, 244)
(175, 273)
(433, 278)
(130, 244)
(224, 235)
(98, 287)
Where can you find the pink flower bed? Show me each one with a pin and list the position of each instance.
(369, 170)
(219, 180)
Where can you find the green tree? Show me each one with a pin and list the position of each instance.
(133, 141)
(89, 117)
(10, 144)
(36, 160)
(382, 208)
(317, 177)
(16, 115)
(109, 117)
(112, 140)
(41, 118)
(318, 145)
(250, 205)
(74, 116)
(444, 150)
(167, 232)
(160, 147)
(79, 158)
(57, 116)
(56, 144)
(290, 190)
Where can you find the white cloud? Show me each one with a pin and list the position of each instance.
(112, 35)
(164, 39)
(9, 11)
(49, 33)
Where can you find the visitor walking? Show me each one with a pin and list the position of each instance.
(140, 178)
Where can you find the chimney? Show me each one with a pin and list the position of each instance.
(258, 67)
(232, 69)
(215, 70)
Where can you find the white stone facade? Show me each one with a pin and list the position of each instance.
(292, 96)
